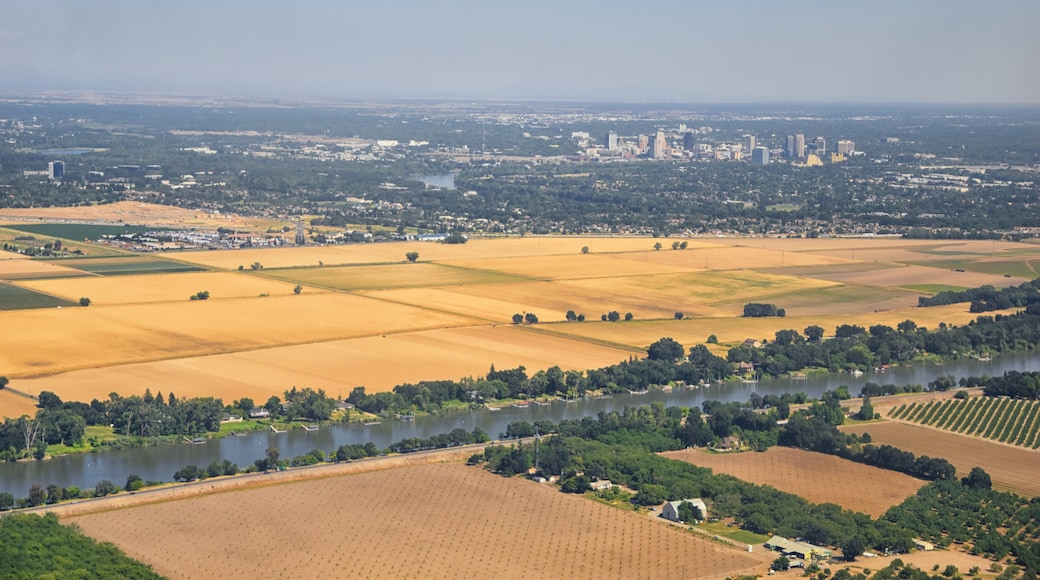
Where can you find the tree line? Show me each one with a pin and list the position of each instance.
(987, 298)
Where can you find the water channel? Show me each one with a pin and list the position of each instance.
(159, 463)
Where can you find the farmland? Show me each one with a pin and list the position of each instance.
(853, 486)
(1012, 469)
(361, 306)
(1012, 421)
(16, 298)
(474, 524)
(336, 366)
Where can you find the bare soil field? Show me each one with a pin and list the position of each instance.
(853, 486)
(441, 520)
(75, 338)
(151, 288)
(691, 331)
(336, 366)
(1011, 468)
(422, 274)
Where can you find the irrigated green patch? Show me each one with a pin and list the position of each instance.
(1024, 268)
(934, 288)
(18, 298)
(129, 264)
(732, 532)
(80, 232)
(390, 276)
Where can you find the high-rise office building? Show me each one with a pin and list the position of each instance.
(760, 155)
(56, 169)
(820, 146)
(612, 141)
(689, 141)
(846, 147)
(749, 143)
(643, 142)
(789, 146)
(799, 145)
(658, 145)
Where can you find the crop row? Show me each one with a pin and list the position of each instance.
(1014, 421)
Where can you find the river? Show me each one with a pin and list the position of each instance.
(159, 463)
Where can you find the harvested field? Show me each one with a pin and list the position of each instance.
(837, 300)
(733, 256)
(570, 267)
(130, 212)
(153, 288)
(729, 330)
(476, 248)
(76, 338)
(12, 405)
(336, 366)
(443, 520)
(422, 274)
(649, 296)
(913, 275)
(1011, 468)
(853, 486)
(24, 268)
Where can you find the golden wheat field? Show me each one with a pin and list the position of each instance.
(107, 290)
(422, 274)
(13, 405)
(15, 267)
(54, 340)
(471, 524)
(378, 363)
(730, 330)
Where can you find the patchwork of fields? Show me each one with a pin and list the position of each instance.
(335, 317)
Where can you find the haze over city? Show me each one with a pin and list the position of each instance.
(757, 51)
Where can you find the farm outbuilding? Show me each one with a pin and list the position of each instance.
(670, 510)
(801, 550)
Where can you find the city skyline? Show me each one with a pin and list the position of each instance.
(882, 52)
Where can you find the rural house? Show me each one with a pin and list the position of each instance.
(670, 510)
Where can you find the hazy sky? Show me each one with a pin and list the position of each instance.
(604, 50)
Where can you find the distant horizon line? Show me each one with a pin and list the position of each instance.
(149, 97)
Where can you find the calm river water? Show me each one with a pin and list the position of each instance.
(159, 463)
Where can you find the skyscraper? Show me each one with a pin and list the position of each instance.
(760, 155)
(658, 145)
(56, 169)
(820, 146)
(789, 146)
(749, 143)
(799, 145)
(612, 141)
(845, 147)
(689, 141)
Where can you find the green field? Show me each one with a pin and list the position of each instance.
(129, 264)
(934, 288)
(17, 298)
(80, 232)
(390, 276)
(732, 532)
(1019, 268)
(1012, 421)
